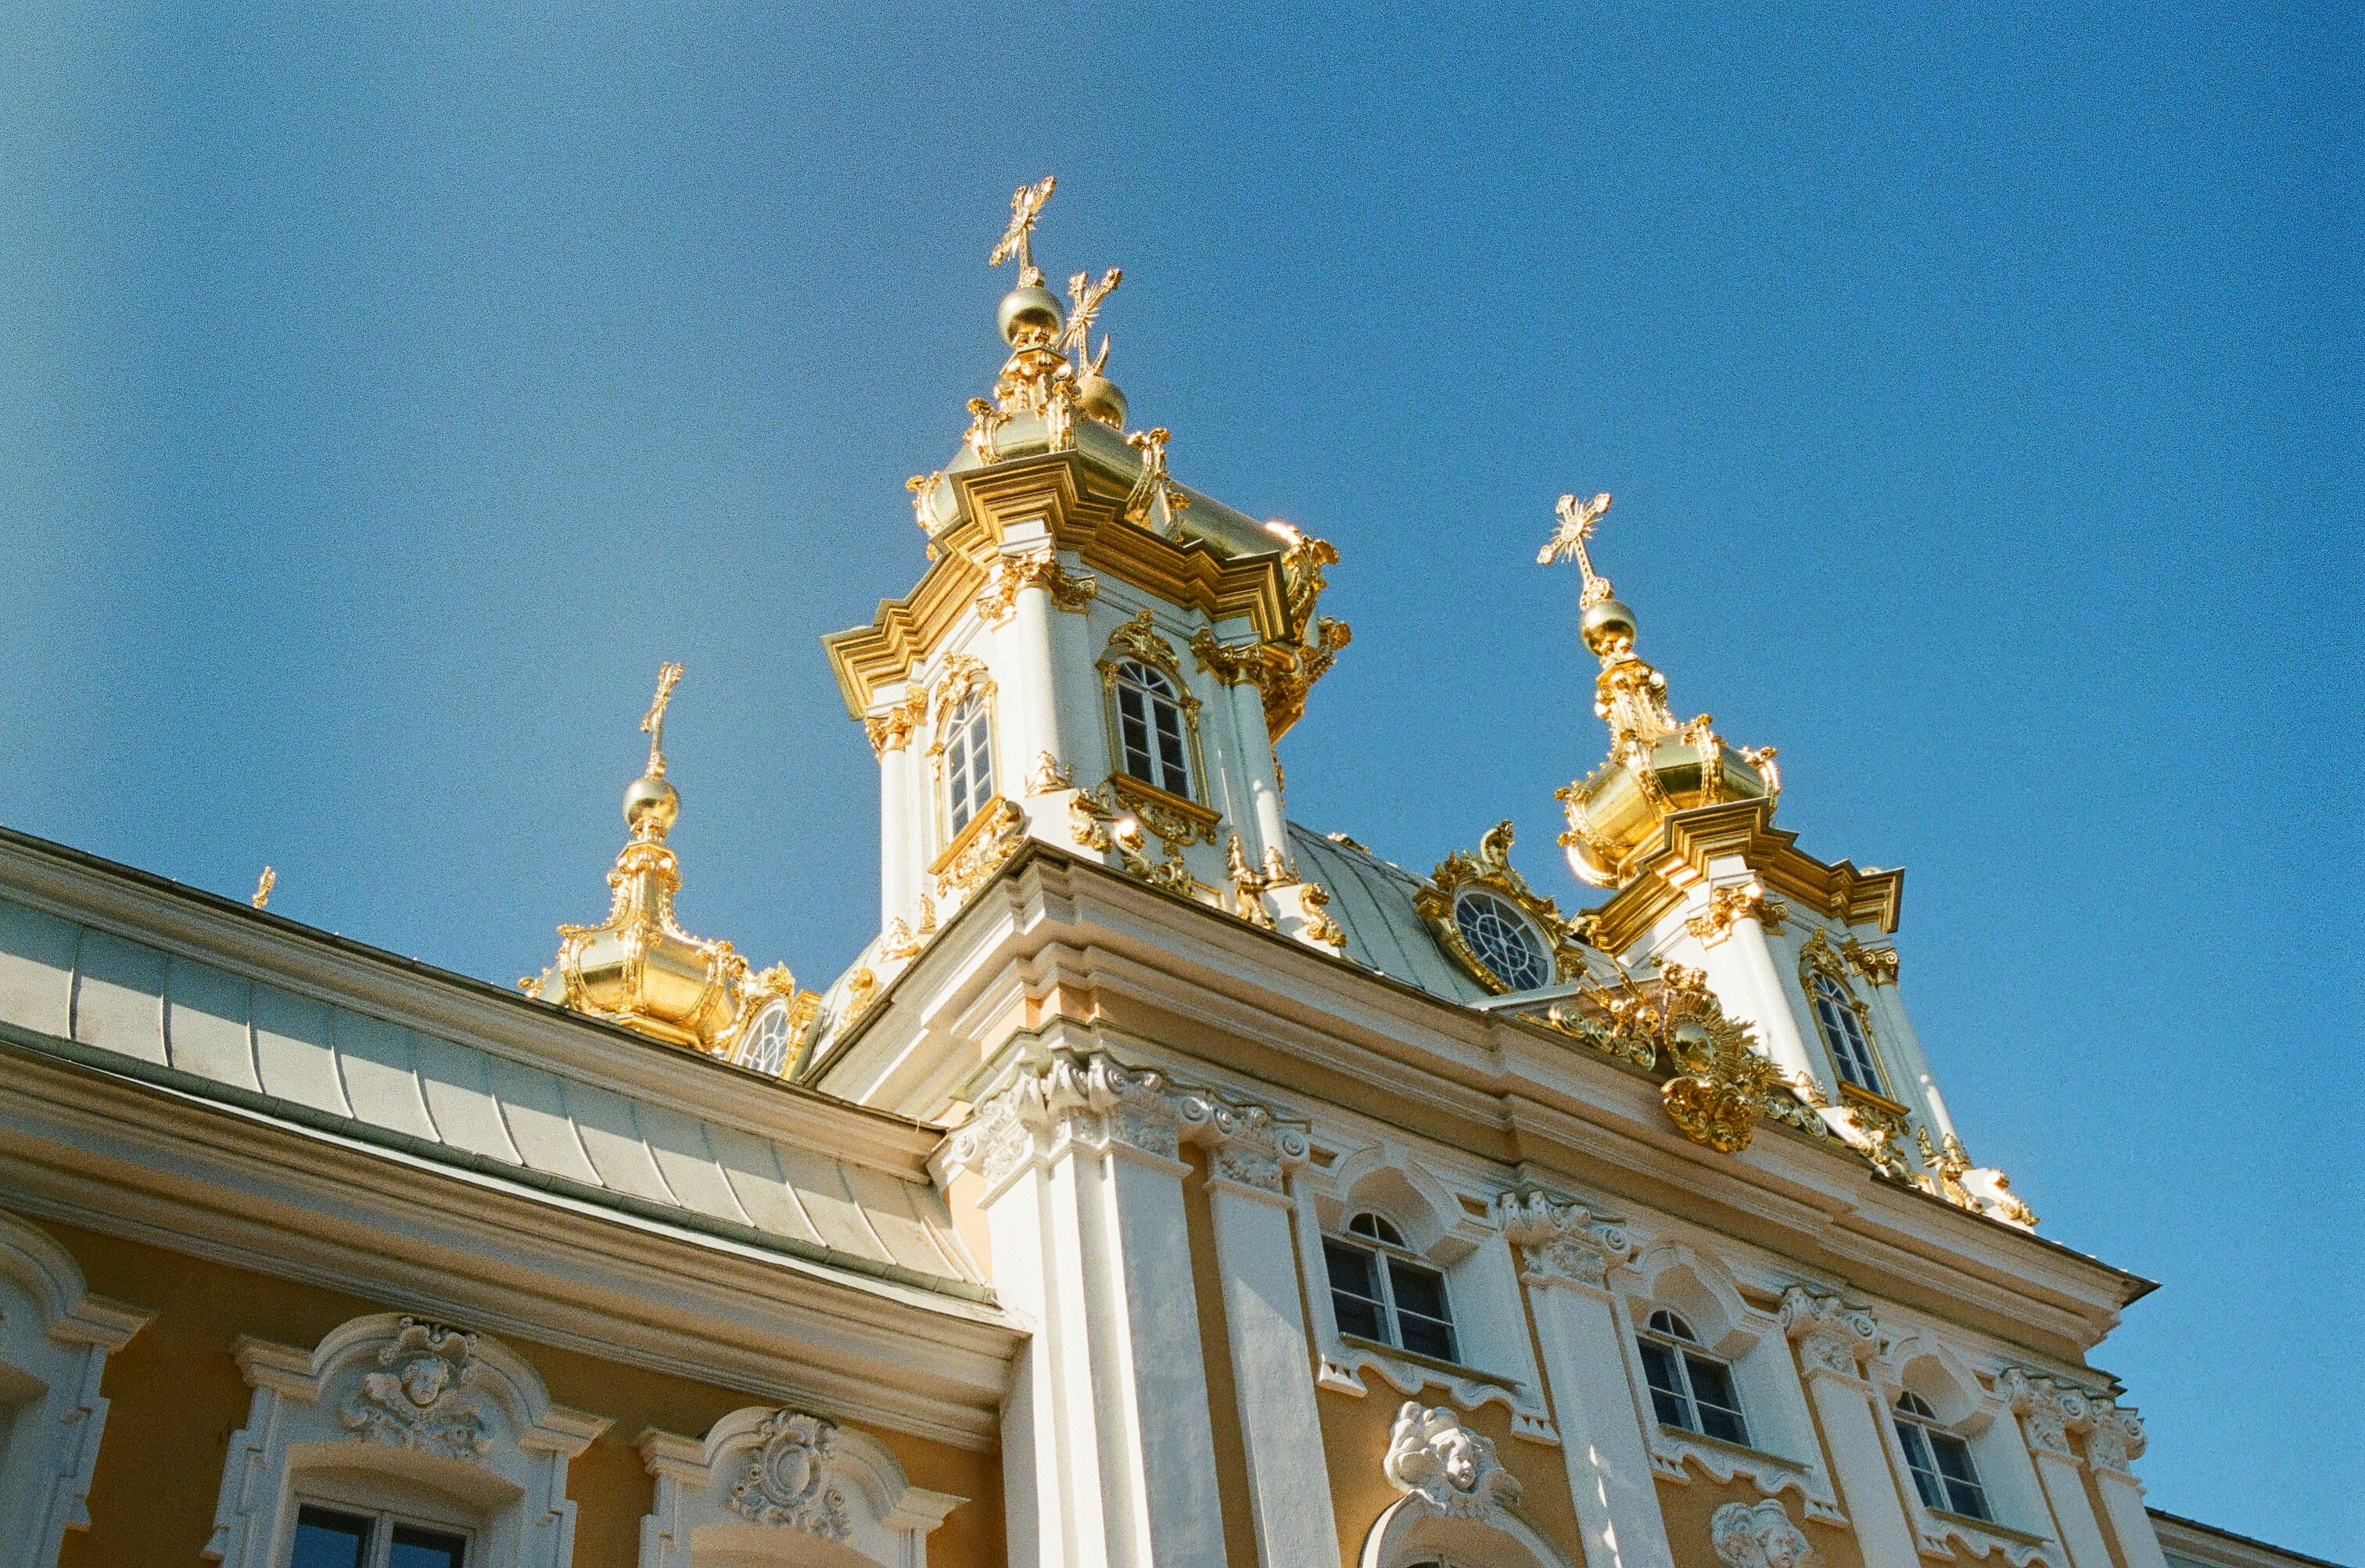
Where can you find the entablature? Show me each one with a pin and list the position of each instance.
(1058, 944)
(1079, 510)
(1741, 830)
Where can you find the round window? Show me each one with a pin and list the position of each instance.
(1503, 939)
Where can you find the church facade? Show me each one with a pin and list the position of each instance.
(1168, 1185)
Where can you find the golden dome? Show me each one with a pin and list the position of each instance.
(638, 967)
(1656, 767)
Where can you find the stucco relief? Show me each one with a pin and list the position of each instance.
(420, 1398)
(1560, 1242)
(1433, 1456)
(1094, 1101)
(1759, 1535)
(765, 1483)
(1831, 1335)
(446, 1407)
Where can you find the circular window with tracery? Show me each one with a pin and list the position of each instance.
(1503, 939)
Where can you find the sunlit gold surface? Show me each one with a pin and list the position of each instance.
(638, 967)
(263, 886)
(1491, 868)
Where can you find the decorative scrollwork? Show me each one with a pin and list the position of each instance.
(786, 1484)
(1491, 868)
(418, 1398)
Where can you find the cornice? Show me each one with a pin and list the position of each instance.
(301, 959)
(1103, 961)
(1689, 840)
(95, 1149)
(1054, 489)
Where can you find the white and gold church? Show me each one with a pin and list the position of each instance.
(1167, 1184)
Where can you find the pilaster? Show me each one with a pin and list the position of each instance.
(2114, 1443)
(1108, 1443)
(1566, 1255)
(2048, 1410)
(1833, 1343)
(1739, 967)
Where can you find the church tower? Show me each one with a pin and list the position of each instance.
(1096, 656)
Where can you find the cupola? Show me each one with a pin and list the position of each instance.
(1656, 767)
(639, 969)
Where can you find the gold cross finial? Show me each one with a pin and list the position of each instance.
(653, 725)
(1025, 203)
(1577, 519)
(1084, 298)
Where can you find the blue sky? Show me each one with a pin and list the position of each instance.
(381, 399)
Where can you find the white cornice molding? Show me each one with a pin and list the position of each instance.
(125, 1159)
(1505, 1089)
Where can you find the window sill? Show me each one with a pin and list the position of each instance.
(1990, 1527)
(1873, 1098)
(1434, 1363)
(1141, 791)
(1724, 1445)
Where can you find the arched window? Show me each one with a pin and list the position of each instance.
(1380, 1290)
(1940, 1460)
(1844, 1034)
(969, 760)
(1689, 1388)
(1151, 743)
(1504, 939)
(765, 1048)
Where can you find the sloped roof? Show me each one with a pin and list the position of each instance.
(1371, 899)
(95, 995)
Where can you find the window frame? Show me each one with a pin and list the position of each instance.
(1845, 1031)
(1919, 1432)
(970, 717)
(1538, 948)
(1680, 1349)
(1161, 695)
(1382, 1256)
(378, 1549)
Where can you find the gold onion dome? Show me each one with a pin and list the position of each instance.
(1656, 767)
(638, 967)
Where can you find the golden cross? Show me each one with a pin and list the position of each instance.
(1576, 523)
(653, 725)
(1026, 202)
(1084, 298)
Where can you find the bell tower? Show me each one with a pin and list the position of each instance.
(1095, 656)
(1679, 824)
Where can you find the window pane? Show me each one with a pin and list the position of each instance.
(1354, 1294)
(1916, 1444)
(417, 1548)
(326, 1540)
(1427, 1335)
(1418, 1289)
(1175, 774)
(1659, 1370)
(1720, 1407)
(1133, 733)
(1964, 1496)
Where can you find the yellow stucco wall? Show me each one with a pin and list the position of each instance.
(1689, 1506)
(1355, 1443)
(176, 1395)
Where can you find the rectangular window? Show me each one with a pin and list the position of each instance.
(1355, 1292)
(416, 1548)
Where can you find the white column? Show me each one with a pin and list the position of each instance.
(1568, 1255)
(1273, 1368)
(1740, 971)
(899, 873)
(1034, 673)
(1084, 1198)
(2115, 1442)
(1833, 1343)
(2046, 1410)
(1256, 768)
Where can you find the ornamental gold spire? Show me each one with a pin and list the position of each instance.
(638, 967)
(1656, 767)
